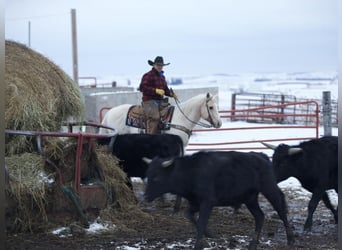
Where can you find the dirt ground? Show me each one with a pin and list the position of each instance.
(161, 229)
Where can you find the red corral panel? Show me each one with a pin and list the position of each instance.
(271, 121)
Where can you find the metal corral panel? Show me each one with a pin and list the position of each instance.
(93, 196)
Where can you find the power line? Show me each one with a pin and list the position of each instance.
(35, 17)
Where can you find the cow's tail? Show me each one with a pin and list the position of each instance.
(283, 201)
(180, 143)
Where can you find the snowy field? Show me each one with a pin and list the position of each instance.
(302, 85)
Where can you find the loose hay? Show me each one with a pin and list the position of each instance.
(27, 189)
(34, 199)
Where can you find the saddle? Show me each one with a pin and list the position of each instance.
(136, 118)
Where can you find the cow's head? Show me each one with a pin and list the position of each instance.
(158, 176)
(283, 160)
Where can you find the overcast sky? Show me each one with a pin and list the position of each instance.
(195, 36)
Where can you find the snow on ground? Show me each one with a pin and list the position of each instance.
(94, 228)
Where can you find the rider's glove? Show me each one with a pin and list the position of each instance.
(160, 92)
(174, 95)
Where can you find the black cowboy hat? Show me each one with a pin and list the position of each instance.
(157, 60)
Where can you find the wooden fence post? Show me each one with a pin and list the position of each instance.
(326, 106)
(233, 106)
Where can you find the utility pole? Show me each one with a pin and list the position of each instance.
(74, 45)
(29, 33)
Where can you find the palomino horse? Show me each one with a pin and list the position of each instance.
(185, 117)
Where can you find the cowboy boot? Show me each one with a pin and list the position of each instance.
(152, 126)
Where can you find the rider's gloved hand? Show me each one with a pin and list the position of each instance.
(160, 92)
(174, 95)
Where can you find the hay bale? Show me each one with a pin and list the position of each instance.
(39, 95)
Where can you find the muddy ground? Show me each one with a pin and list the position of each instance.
(161, 229)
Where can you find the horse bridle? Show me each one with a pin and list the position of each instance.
(210, 118)
(197, 123)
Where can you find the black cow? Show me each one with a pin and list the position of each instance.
(131, 148)
(218, 178)
(263, 155)
(314, 164)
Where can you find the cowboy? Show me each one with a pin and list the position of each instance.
(154, 87)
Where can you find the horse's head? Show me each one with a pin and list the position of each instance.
(209, 111)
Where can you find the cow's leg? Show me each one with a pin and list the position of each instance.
(202, 222)
(190, 213)
(277, 200)
(129, 183)
(237, 208)
(254, 208)
(316, 197)
(328, 204)
(178, 203)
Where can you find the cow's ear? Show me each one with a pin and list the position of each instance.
(147, 160)
(167, 163)
(293, 151)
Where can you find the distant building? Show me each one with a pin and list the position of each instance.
(176, 81)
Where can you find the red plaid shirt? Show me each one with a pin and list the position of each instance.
(151, 81)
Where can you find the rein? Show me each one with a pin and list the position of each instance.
(199, 122)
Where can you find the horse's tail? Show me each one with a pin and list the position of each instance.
(104, 122)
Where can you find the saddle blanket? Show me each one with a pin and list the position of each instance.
(135, 118)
